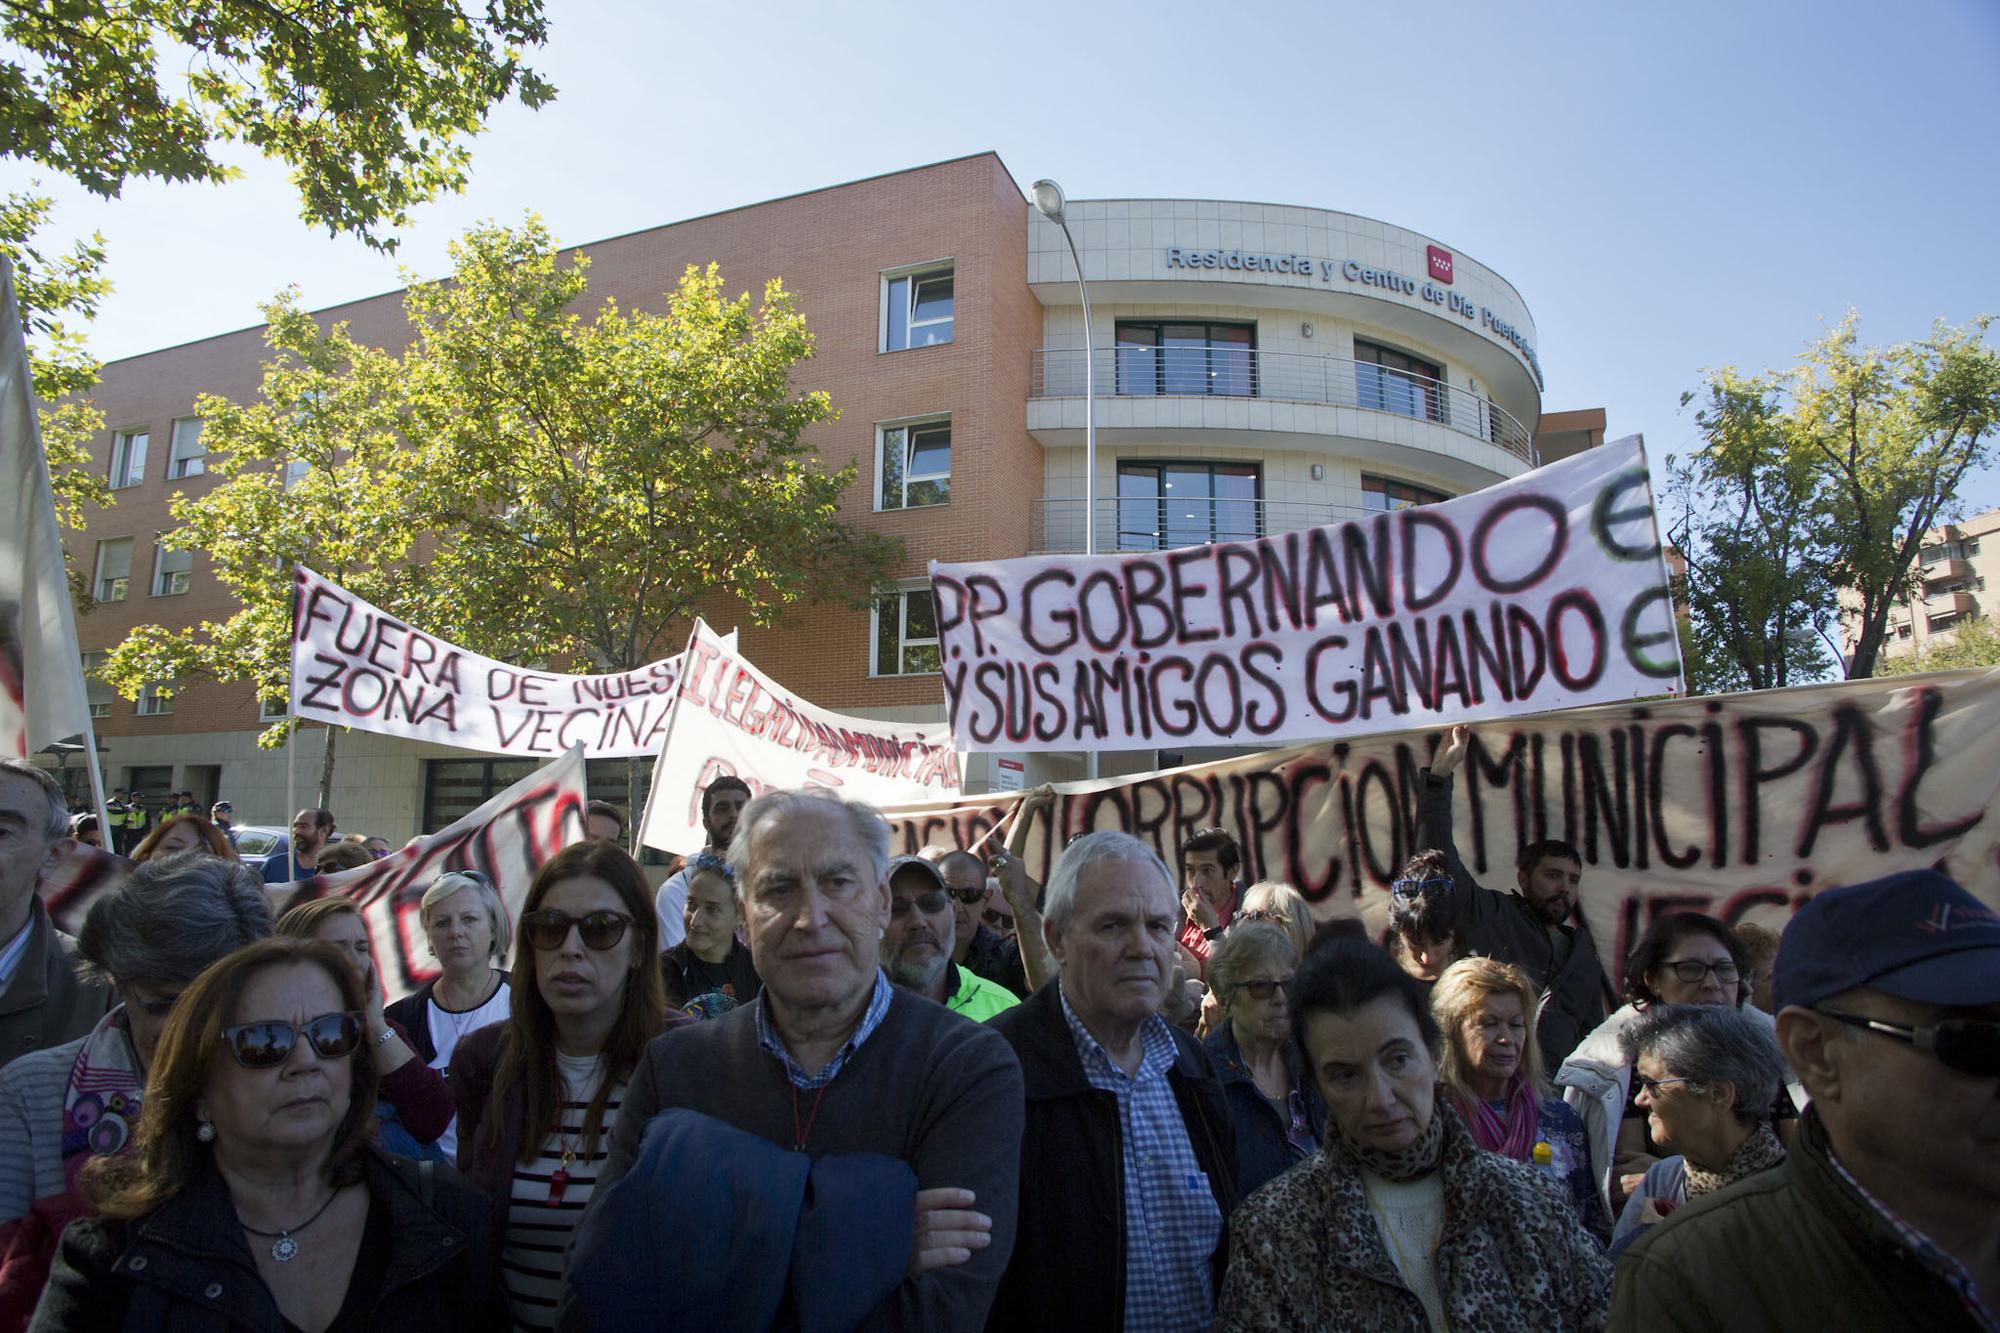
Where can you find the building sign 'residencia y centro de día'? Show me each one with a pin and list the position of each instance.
(1435, 290)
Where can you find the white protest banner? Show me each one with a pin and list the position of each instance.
(355, 665)
(1739, 805)
(734, 719)
(1543, 592)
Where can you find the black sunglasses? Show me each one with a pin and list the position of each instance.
(269, 1043)
(997, 919)
(1967, 1045)
(547, 929)
(1262, 989)
(968, 896)
(927, 903)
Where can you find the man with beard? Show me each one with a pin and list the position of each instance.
(917, 947)
(312, 829)
(1531, 927)
(721, 802)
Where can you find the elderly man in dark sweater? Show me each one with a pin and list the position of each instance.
(834, 1060)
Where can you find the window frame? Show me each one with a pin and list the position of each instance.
(163, 576)
(97, 580)
(90, 661)
(195, 464)
(151, 703)
(1159, 349)
(915, 275)
(901, 593)
(1161, 500)
(906, 426)
(1429, 383)
(122, 476)
(1421, 494)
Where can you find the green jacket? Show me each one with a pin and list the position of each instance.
(973, 995)
(1792, 1247)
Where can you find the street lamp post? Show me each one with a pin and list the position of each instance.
(1049, 202)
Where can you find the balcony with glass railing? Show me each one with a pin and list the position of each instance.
(1234, 372)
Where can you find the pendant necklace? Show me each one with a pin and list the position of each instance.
(559, 1178)
(283, 1248)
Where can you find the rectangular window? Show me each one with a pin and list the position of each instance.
(190, 455)
(295, 472)
(99, 693)
(1385, 494)
(1389, 380)
(156, 699)
(273, 712)
(454, 788)
(906, 634)
(1182, 357)
(170, 571)
(915, 464)
(1165, 506)
(114, 569)
(128, 458)
(1936, 623)
(917, 308)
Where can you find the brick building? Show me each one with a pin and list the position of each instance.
(1259, 368)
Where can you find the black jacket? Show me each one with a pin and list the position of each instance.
(1263, 1152)
(1068, 1270)
(185, 1265)
(413, 1011)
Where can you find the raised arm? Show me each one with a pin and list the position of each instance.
(1021, 892)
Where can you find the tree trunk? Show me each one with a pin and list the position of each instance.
(326, 773)
(633, 810)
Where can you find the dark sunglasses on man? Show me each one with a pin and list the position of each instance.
(601, 930)
(969, 896)
(269, 1042)
(1967, 1045)
(930, 904)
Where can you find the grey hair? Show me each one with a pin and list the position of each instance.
(482, 888)
(1086, 851)
(867, 823)
(1288, 900)
(56, 825)
(171, 918)
(1708, 1044)
(1243, 949)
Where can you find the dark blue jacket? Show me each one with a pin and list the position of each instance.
(714, 1228)
(1262, 1150)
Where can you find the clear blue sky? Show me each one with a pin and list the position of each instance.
(1669, 186)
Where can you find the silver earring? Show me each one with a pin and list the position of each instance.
(205, 1132)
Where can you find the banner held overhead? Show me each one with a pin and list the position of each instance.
(1547, 591)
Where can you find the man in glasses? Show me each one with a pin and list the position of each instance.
(1886, 1214)
(722, 801)
(917, 949)
(976, 948)
(1536, 927)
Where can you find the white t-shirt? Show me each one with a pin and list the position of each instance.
(1410, 1217)
(448, 1027)
(671, 906)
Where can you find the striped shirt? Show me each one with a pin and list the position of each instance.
(536, 1246)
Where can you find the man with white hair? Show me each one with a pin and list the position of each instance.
(1129, 1159)
(42, 1003)
(830, 1062)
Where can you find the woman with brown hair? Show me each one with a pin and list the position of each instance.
(538, 1095)
(184, 833)
(413, 1103)
(252, 1197)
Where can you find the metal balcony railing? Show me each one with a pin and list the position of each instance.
(1241, 372)
(1165, 525)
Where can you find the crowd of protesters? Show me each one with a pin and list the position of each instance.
(806, 1083)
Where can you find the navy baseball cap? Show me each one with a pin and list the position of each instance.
(1915, 935)
(932, 879)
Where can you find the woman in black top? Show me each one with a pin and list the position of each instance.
(709, 973)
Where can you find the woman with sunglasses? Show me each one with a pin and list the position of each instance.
(1491, 1075)
(413, 1103)
(1275, 1110)
(538, 1095)
(1706, 1078)
(1683, 958)
(467, 926)
(252, 1198)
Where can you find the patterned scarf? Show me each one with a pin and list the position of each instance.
(101, 1103)
(1511, 1131)
(1757, 1153)
(1413, 1162)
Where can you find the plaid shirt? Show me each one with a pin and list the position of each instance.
(767, 1037)
(1934, 1260)
(1172, 1222)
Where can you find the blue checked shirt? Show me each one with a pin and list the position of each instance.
(1934, 1260)
(1172, 1222)
(767, 1037)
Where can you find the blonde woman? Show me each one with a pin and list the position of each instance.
(1491, 1074)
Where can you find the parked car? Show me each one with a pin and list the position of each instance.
(258, 843)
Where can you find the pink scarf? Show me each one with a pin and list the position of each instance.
(1512, 1133)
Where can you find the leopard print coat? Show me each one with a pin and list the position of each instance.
(1305, 1252)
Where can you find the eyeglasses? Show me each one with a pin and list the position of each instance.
(269, 1043)
(927, 903)
(1653, 1087)
(997, 919)
(969, 896)
(1264, 989)
(548, 929)
(1264, 914)
(1691, 970)
(1967, 1045)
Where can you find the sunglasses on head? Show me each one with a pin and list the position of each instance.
(1416, 888)
(1967, 1045)
(928, 903)
(265, 1044)
(548, 928)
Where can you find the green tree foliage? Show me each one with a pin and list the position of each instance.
(531, 483)
(1973, 643)
(1820, 483)
(367, 102)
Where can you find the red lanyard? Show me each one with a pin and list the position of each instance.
(800, 1135)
